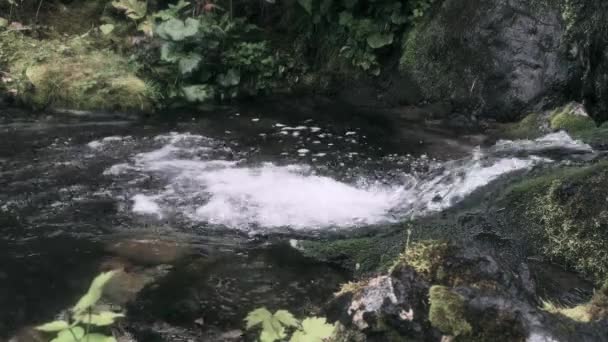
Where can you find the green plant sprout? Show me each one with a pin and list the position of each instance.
(82, 317)
(275, 326)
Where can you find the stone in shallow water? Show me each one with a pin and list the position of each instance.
(149, 250)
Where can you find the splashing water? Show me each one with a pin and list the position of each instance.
(202, 184)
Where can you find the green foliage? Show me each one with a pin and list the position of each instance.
(82, 314)
(362, 31)
(212, 58)
(134, 9)
(447, 311)
(275, 326)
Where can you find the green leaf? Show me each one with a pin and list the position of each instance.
(146, 27)
(169, 53)
(100, 319)
(307, 5)
(3, 22)
(198, 93)
(345, 18)
(53, 326)
(189, 63)
(178, 30)
(97, 338)
(286, 318)
(378, 40)
(257, 316)
(134, 9)
(230, 79)
(318, 327)
(106, 29)
(74, 334)
(94, 293)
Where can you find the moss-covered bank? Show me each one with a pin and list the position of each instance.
(71, 72)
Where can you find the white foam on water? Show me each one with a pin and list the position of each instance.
(205, 188)
(280, 196)
(143, 204)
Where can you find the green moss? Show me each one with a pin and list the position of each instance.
(363, 255)
(528, 128)
(566, 213)
(426, 257)
(447, 311)
(72, 73)
(566, 119)
(596, 309)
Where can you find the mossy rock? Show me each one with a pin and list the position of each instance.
(425, 257)
(565, 214)
(571, 118)
(359, 254)
(73, 73)
(447, 311)
(594, 310)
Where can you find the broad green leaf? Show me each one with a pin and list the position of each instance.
(307, 5)
(146, 27)
(345, 18)
(94, 293)
(189, 63)
(198, 93)
(272, 335)
(230, 79)
(3, 22)
(378, 40)
(106, 29)
(100, 319)
(169, 53)
(134, 9)
(172, 11)
(53, 326)
(317, 327)
(178, 30)
(97, 338)
(74, 334)
(257, 316)
(286, 318)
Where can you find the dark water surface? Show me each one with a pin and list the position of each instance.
(59, 211)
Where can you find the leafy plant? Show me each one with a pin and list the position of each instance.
(275, 326)
(212, 57)
(83, 317)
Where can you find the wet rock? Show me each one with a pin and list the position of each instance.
(126, 284)
(466, 295)
(504, 57)
(28, 334)
(149, 250)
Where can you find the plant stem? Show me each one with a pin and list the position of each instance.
(38, 11)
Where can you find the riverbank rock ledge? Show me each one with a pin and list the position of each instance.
(440, 292)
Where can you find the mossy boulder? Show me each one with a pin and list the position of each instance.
(567, 214)
(571, 118)
(73, 73)
(447, 311)
(493, 58)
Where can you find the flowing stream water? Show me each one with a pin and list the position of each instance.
(223, 183)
